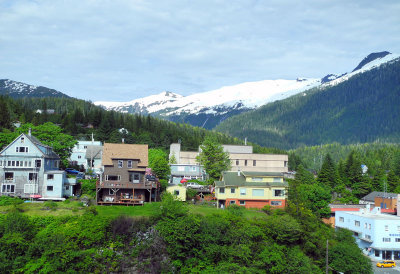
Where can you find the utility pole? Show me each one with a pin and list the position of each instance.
(327, 267)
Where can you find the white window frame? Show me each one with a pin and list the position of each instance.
(6, 187)
(221, 190)
(386, 240)
(8, 180)
(243, 191)
(47, 188)
(276, 203)
(232, 202)
(120, 163)
(386, 228)
(341, 219)
(242, 202)
(281, 195)
(257, 192)
(357, 223)
(233, 190)
(118, 177)
(129, 164)
(31, 188)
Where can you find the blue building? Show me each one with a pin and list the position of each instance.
(376, 233)
(30, 169)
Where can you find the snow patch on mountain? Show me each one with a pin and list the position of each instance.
(247, 95)
(363, 67)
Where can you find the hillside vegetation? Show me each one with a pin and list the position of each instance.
(363, 109)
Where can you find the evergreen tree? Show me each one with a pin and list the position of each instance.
(213, 158)
(328, 175)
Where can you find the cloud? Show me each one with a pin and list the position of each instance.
(122, 49)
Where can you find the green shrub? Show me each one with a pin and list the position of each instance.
(6, 200)
(88, 187)
(50, 205)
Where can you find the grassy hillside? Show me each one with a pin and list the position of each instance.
(363, 109)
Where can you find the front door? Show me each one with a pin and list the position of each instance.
(386, 255)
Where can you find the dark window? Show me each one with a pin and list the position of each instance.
(232, 202)
(377, 253)
(8, 188)
(38, 163)
(232, 190)
(49, 188)
(176, 192)
(237, 162)
(254, 163)
(33, 176)
(112, 178)
(221, 190)
(245, 162)
(67, 187)
(9, 176)
(50, 176)
(242, 202)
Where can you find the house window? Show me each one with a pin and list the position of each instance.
(341, 219)
(232, 202)
(237, 162)
(79, 156)
(285, 163)
(357, 223)
(49, 188)
(22, 140)
(12, 163)
(368, 237)
(386, 240)
(134, 177)
(257, 179)
(369, 226)
(279, 192)
(9, 176)
(242, 202)
(67, 187)
(30, 188)
(277, 180)
(120, 164)
(7, 188)
(397, 240)
(29, 163)
(377, 253)
(276, 203)
(38, 163)
(254, 162)
(386, 228)
(1, 162)
(84, 147)
(33, 176)
(232, 190)
(365, 225)
(245, 162)
(129, 164)
(221, 190)
(242, 191)
(21, 149)
(113, 177)
(193, 168)
(50, 176)
(258, 192)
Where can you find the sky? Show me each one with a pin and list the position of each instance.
(120, 50)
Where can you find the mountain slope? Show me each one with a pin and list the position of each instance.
(362, 106)
(19, 90)
(207, 109)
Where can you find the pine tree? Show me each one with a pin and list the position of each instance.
(328, 174)
(213, 158)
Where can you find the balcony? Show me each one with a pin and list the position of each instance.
(118, 184)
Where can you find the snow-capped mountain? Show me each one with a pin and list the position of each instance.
(18, 90)
(207, 109)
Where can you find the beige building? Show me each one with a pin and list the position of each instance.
(242, 158)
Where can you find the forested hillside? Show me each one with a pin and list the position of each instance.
(363, 109)
(80, 119)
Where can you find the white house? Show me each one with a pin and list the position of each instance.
(79, 153)
(376, 233)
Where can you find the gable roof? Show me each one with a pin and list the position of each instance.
(125, 152)
(371, 197)
(93, 152)
(35, 141)
(231, 178)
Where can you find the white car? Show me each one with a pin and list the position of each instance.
(194, 185)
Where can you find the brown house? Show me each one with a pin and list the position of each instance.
(124, 180)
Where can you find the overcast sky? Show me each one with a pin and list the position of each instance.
(119, 50)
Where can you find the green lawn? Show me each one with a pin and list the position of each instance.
(208, 210)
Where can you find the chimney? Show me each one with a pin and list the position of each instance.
(30, 132)
(123, 140)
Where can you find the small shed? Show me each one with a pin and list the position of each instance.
(177, 190)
